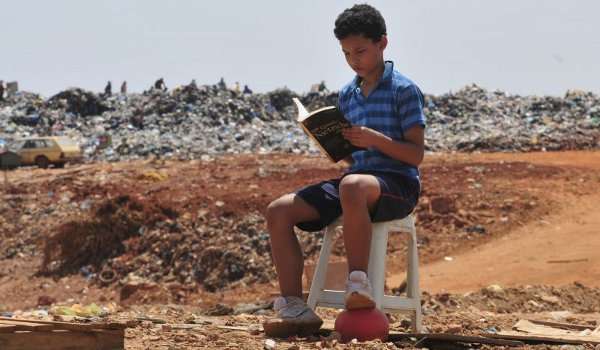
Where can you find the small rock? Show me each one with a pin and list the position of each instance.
(550, 299)
(270, 344)
(454, 328)
(494, 288)
(560, 315)
(219, 310)
(442, 205)
(45, 300)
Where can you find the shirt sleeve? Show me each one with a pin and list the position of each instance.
(410, 107)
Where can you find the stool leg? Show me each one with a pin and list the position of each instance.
(377, 256)
(320, 275)
(412, 288)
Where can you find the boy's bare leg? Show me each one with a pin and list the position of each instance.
(282, 215)
(359, 194)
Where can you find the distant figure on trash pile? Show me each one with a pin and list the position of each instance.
(318, 89)
(322, 87)
(11, 88)
(381, 184)
(124, 88)
(247, 90)
(160, 85)
(108, 89)
(1, 90)
(222, 84)
(137, 119)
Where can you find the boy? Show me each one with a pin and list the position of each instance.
(382, 183)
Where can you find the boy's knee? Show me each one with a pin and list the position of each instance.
(352, 186)
(278, 209)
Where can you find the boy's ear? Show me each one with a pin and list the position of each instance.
(383, 42)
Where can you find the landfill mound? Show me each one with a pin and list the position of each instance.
(215, 254)
(78, 243)
(191, 121)
(209, 230)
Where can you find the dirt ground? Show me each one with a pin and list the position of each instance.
(525, 222)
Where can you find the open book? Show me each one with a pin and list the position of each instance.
(325, 126)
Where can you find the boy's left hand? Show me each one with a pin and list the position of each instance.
(362, 136)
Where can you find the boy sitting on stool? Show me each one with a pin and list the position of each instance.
(382, 184)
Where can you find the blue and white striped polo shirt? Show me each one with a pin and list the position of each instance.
(393, 106)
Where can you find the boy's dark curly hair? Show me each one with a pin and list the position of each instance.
(361, 19)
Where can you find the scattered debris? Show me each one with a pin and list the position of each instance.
(552, 332)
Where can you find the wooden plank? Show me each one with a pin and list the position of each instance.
(454, 338)
(531, 338)
(69, 325)
(531, 328)
(7, 328)
(395, 336)
(63, 340)
(28, 326)
(235, 328)
(568, 326)
(550, 332)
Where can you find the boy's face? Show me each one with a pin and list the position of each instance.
(363, 55)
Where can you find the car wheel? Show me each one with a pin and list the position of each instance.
(42, 162)
(59, 165)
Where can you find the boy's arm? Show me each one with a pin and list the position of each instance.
(348, 160)
(410, 151)
(410, 118)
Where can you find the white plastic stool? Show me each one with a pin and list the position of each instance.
(319, 296)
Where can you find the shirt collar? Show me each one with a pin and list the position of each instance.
(386, 76)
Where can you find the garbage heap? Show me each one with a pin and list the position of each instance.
(191, 121)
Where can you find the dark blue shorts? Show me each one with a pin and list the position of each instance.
(399, 196)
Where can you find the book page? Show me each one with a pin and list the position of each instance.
(302, 112)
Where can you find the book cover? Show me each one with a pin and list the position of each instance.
(325, 127)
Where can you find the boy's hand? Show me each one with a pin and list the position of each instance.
(362, 136)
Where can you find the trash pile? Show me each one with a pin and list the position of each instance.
(184, 123)
(166, 251)
(192, 121)
(209, 257)
(475, 119)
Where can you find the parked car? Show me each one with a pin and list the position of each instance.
(44, 151)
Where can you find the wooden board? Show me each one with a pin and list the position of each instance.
(27, 326)
(395, 336)
(56, 325)
(7, 328)
(63, 340)
(551, 332)
(530, 338)
(21, 334)
(569, 326)
(456, 338)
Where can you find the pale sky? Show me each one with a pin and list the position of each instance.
(519, 46)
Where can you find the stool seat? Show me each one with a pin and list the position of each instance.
(319, 296)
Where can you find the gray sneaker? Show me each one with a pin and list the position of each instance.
(359, 294)
(294, 317)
